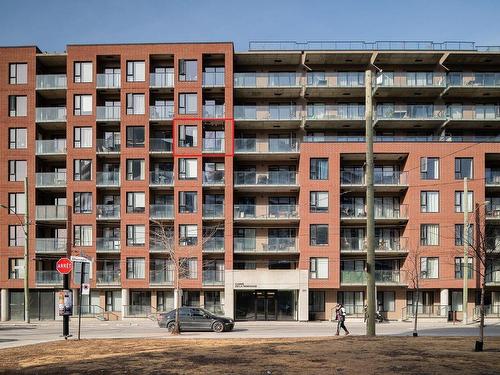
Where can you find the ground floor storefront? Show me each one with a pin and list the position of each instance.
(265, 305)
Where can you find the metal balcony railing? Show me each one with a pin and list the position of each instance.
(161, 178)
(213, 211)
(111, 113)
(160, 144)
(163, 277)
(51, 147)
(213, 177)
(425, 311)
(51, 212)
(49, 277)
(213, 277)
(51, 179)
(269, 212)
(108, 80)
(108, 244)
(108, 145)
(213, 245)
(51, 81)
(107, 179)
(265, 178)
(107, 211)
(161, 211)
(161, 80)
(108, 277)
(51, 245)
(161, 112)
(51, 114)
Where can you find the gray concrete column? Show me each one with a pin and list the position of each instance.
(124, 302)
(444, 299)
(4, 302)
(303, 296)
(228, 294)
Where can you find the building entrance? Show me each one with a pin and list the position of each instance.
(266, 305)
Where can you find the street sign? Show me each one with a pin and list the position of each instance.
(65, 303)
(80, 259)
(85, 289)
(64, 266)
(77, 273)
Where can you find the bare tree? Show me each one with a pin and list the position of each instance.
(163, 234)
(413, 274)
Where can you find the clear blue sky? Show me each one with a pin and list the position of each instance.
(51, 24)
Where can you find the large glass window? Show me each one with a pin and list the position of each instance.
(136, 268)
(429, 234)
(83, 72)
(135, 136)
(136, 71)
(136, 202)
(188, 268)
(17, 170)
(459, 201)
(429, 168)
(188, 104)
(386, 301)
(188, 169)
(318, 169)
(18, 73)
(429, 201)
(188, 234)
(318, 201)
(16, 235)
(188, 70)
(318, 234)
(82, 137)
(188, 202)
(82, 170)
(18, 106)
(82, 203)
(459, 268)
(188, 136)
(16, 268)
(136, 169)
(464, 168)
(316, 301)
(135, 104)
(136, 235)
(82, 105)
(459, 235)
(318, 268)
(17, 203)
(429, 267)
(82, 235)
(17, 138)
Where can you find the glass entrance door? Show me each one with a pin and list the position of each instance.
(265, 305)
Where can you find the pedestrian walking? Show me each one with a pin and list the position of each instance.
(340, 315)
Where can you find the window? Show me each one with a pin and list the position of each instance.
(83, 105)
(188, 234)
(136, 202)
(188, 268)
(459, 268)
(18, 73)
(429, 234)
(17, 170)
(429, 201)
(82, 170)
(188, 136)
(318, 201)
(188, 169)
(429, 168)
(188, 70)
(18, 106)
(135, 104)
(17, 203)
(136, 169)
(318, 169)
(136, 71)
(188, 104)
(456, 300)
(16, 268)
(318, 268)
(16, 235)
(82, 137)
(83, 72)
(17, 138)
(188, 202)
(82, 235)
(459, 201)
(82, 203)
(318, 234)
(459, 235)
(135, 136)
(136, 235)
(136, 268)
(429, 268)
(386, 301)
(316, 301)
(463, 168)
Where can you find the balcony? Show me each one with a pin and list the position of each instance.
(429, 116)
(51, 180)
(387, 181)
(108, 245)
(213, 178)
(269, 213)
(160, 145)
(493, 244)
(108, 80)
(51, 82)
(493, 179)
(213, 211)
(263, 116)
(213, 245)
(386, 245)
(161, 112)
(213, 79)
(251, 148)
(51, 245)
(51, 114)
(161, 211)
(105, 113)
(108, 146)
(382, 277)
(335, 84)
(213, 277)
(409, 84)
(51, 147)
(272, 245)
(161, 80)
(158, 246)
(474, 117)
(49, 278)
(212, 145)
(216, 111)
(162, 277)
(107, 278)
(51, 213)
(269, 181)
(390, 214)
(335, 115)
(108, 179)
(161, 178)
(108, 212)
(262, 85)
(473, 84)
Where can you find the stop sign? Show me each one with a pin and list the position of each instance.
(64, 266)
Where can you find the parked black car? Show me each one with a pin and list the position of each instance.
(195, 319)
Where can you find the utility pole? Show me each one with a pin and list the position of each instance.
(370, 212)
(26, 253)
(465, 239)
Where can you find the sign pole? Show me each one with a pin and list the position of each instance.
(66, 317)
(82, 274)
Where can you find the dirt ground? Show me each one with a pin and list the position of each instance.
(343, 355)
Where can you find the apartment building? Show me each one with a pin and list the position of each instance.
(252, 163)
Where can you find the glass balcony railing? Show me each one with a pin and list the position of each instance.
(49, 277)
(51, 114)
(281, 244)
(214, 111)
(213, 244)
(51, 245)
(107, 146)
(269, 212)
(336, 112)
(161, 211)
(104, 113)
(51, 179)
(213, 277)
(359, 277)
(350, 211)
(161, 178)
(410, 79)
(474, 79)
(272, 145)
(51, 147)
(213, 211)
(422, 112)
(266, 178)
(213, 145)
(104, 179)
(160, 144)
(266, 113)
(107, 211)
(51, 82)
(379, 178)
(108, 244)
(213, 177)
(242, 244)
(51, 212)
(108, 277)
(336, 79)
(492, 176)
(161, 80)
(382, 244)
(161, 112)
(163, 277)
(213, 79)
(265, 80)
(156, 245)
(108, 80)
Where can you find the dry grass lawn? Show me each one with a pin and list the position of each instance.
(344, 355)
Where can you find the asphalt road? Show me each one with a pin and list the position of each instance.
(12, 334)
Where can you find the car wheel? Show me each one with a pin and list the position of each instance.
(218, 327)
(170, 326)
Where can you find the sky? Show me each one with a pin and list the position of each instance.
(52, 24)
